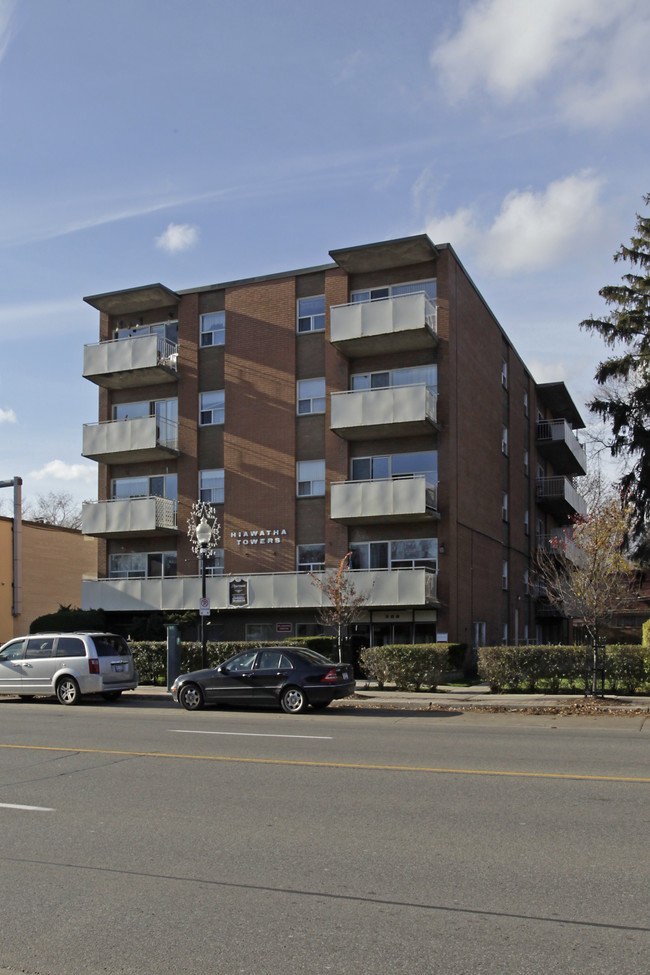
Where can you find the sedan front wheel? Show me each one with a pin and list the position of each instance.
(191, 697)
(293, 700)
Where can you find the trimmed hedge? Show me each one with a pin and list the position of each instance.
(552, 669)
(150, 656)
(406, 665)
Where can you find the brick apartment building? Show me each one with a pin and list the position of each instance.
(372, 405)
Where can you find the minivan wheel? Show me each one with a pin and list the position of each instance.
(293, 700)
(67, 691)
(191, 697)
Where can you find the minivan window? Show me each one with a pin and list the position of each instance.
(13, 651)
(70, 646)
(109, 646)
(40, 646)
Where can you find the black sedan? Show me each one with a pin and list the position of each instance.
(290, 677)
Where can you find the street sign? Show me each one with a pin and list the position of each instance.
(204, 606)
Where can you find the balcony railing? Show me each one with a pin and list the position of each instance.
(411, 497)
(143, 438)
(387, 412)
(129, 516)
(381, 588)
(386, 325)
(136, 361)
(559, 543)
(557, 441)
(559, 496)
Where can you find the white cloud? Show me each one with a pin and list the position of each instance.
(532, 231)
(177, 237)
(58, 470)
(548, 372)
(592, 51)
(7, 416)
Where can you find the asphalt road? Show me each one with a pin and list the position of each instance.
(374, 842)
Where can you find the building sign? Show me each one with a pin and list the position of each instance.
(238, 592)
(259, 536)
(284, 627)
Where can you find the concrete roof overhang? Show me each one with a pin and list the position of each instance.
(134, 300)
(558, 399)
(385, 254)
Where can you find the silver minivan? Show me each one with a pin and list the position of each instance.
(68, 665)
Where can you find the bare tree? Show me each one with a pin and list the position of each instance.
(588, 577)
(55, 508)
(344, 604)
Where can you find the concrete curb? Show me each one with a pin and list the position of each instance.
(453, 698)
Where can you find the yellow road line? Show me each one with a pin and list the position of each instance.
(341, 765)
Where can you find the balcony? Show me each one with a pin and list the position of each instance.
(394, 411)
(144, 438)
(144, 360)
(405, 498)
(559, 543)
(558, 443)
(396, 324)
(129, 516)
(558, 495)
(284, 591)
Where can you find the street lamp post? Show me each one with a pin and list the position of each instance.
(204, 532)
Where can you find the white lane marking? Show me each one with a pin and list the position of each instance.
(12, 805)
(248, 734)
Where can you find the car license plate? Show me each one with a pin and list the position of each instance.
(118, 668)
(344, 674)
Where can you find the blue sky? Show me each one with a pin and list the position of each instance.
(200, 141)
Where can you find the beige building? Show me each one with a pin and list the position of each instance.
(45, 573)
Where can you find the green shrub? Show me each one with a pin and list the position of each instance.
(645, 629)
(552, 668)
(406, 665)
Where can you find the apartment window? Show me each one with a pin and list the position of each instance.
(213, 328)
(154, 486)
(211, 486)
(142, 565)
(311, 558)
(504, 374)
(212, 407)
(504, 574)
(408, 553)
(526, 463)
(504, 639)
(311, 396)
(525, 404)
(214, 563)
(260, 632)
(167, 330)
(526, 522)
(526, 581)
(311, 478)
(409, 376)
(395, 465)
(394, 290)
(504, 506)
(311, 314)
(504, 441)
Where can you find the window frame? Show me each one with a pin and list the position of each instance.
(209, 492)
(218, 409)
(314, 402)
(313, 318)
(219, 331)
(311, 481)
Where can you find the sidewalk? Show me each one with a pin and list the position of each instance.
(454, 698)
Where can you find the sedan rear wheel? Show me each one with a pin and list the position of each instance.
(293, 700)
(191, 697)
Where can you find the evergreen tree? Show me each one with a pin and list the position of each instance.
(625, 377)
